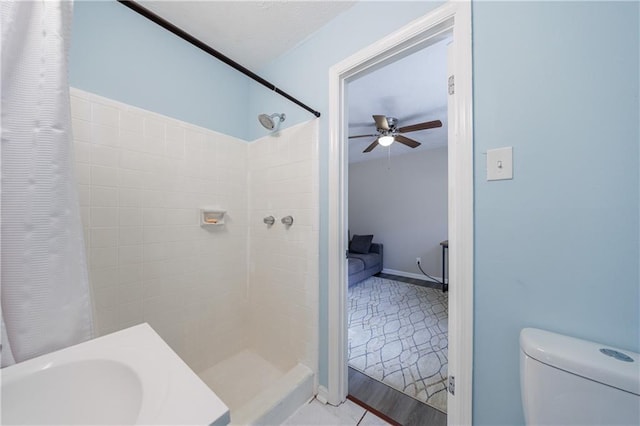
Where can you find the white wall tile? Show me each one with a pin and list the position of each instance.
(130, 216)
(80, 108)
(129, 139)
(130, 314)
(174, 131)
(282, 182)
(155, 234)
(85, 214)
(81, 130)
(129, 197)
(155, 181)
(182, 216)
(153, 128)
(129, 273)
(174, 149)
(133, 160)
(105, 297)
(130, 254)
(143, 179)
(104, 217)
(104, 277)
(102, 196)
(154, 216)
(130, 235)
(195, 139)
(104, 135)
(131, 121)
(83, 173)
(131, 292)
(102, 257)
(84, 195)
(104, 155)
(130, 178)
(152, 198)
(104, 237)
(82, 151)
(105, 115)
(104, 176)
(155, 252)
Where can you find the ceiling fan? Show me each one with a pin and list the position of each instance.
(388, 132)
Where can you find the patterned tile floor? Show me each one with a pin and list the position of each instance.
(398, 335)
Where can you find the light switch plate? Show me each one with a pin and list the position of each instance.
(500, 163)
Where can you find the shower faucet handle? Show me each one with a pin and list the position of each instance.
(269, 220)
(287, 220)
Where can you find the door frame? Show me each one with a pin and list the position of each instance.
(454, 17)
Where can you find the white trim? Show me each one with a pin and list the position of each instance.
(456, 17)
(322, 394)
(409, 274)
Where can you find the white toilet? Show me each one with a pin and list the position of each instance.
(568, 381)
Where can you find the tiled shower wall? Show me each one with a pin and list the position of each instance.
(283, 261)
(142, 179)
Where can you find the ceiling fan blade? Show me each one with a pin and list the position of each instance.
(370, 147)
(362, 136)
(421, 126)
(381, 122)
(407, 141)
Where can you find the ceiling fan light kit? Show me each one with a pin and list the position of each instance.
(386, 140)
(389, 132)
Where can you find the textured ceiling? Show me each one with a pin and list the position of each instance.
(412, 89)
(252, 33)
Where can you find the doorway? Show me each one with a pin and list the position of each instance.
(397, 194)
(454, 18)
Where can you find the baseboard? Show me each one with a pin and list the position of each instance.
(323, 394)
(409, 274)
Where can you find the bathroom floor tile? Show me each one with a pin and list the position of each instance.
(371, 419)
(317, 414)
(348, 413)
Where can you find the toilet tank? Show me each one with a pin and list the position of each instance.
(568, 381)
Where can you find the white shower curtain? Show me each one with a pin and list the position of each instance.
(46, 303)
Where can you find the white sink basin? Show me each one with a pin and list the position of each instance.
(128, 377)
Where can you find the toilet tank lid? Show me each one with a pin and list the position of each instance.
(584, 358)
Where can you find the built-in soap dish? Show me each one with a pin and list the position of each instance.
(212, 217)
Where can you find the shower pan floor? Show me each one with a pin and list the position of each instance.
(239, 378)
(256, 391)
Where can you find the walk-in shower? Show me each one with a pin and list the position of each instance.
(236, 300)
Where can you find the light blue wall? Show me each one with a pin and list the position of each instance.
(121, 55)
(556, 247)
(304, 73)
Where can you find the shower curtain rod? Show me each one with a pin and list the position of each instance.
(211, 51)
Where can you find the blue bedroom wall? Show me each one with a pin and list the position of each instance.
(556, 247)
(121, 55)
(303, 72)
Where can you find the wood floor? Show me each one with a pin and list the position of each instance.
(386, 402)
(390, 404)
(423, 283)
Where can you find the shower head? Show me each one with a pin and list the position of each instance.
(268, 121)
